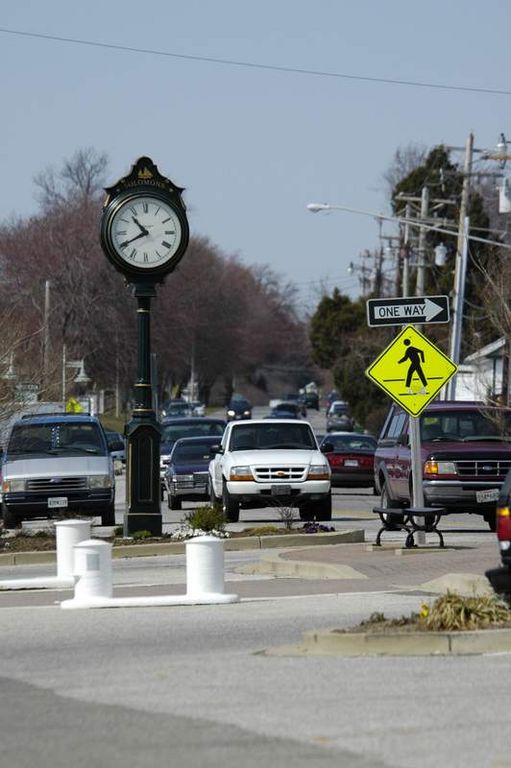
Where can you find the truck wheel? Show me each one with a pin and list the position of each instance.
(491, 519)
(213, 499)
(173, 501)
(230, 506)
(10, 518)
(317, 510)
(108, 516)
(387, 503)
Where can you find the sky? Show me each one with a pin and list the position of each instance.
(256, 107)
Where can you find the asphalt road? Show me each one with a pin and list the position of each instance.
(200, 685)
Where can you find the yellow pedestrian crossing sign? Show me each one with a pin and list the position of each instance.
(411, 370)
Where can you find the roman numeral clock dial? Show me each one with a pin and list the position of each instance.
(145, 233)
(144, 229)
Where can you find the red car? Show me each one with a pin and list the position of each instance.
(351, 458)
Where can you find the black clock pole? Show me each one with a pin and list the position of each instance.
(143, 512)
(144, 234)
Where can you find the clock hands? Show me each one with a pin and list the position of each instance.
(143, 233)
(139, 225)
(127, 242)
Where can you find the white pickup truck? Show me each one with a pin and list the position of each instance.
(264, 463)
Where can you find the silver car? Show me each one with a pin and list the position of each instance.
(338, 418)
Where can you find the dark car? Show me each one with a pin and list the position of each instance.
(465, 457)
(186, 475)
(174, 409)
(298, 400)
(285, 410)
(351, 458)
(239, 408)
(338, 418)
(116, 446)
(192, 426)
(311, 400)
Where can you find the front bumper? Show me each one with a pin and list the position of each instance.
(458, 494)
(285, 493)
(194, 489)
(36, 504)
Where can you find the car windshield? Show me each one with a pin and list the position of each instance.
(56, 438)
(192, 452)
(264, 436)
(483, 424)
(352, 443)
(201, 428)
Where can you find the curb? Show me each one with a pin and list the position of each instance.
(274, 565)
(178, 547)
(334, 642)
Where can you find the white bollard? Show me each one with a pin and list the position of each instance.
(69, 533)
(92, 570)
(204, 565)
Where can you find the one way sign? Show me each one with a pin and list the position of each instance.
(416, 309)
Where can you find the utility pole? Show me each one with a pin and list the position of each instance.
(421, 266)
(406, 252)
(46, 336)
(461, 264)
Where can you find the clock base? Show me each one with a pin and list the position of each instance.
(140, 521)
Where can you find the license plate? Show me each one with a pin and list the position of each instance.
(351, 463)
(281, 490)
(57, 501)
(491, 495)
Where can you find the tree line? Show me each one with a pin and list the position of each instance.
(225, 320)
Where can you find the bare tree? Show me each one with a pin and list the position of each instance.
(78, 181)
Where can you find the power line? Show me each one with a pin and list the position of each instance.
(254, 65)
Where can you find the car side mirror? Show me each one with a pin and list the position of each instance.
(215, 449)
(327, 448)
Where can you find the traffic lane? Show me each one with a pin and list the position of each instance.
(203, 663)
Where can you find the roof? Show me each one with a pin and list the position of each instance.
(191, 420)
(51, 418)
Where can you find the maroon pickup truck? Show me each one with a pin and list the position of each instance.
(466, 454)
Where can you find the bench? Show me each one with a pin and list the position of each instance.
(405, 519)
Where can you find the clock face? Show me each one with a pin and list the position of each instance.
(145, 232)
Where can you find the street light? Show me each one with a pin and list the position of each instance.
(80, 378)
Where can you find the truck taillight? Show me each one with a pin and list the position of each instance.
(503, 524)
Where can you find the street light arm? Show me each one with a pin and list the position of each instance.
(315, 207)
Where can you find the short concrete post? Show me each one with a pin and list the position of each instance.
(92, 570)
(68, 534)
(204, 566)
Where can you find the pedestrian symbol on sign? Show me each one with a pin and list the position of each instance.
(415, 357)
(412, 376)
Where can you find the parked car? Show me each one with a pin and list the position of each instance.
(465, 456)
(351, 458)
(338, 417)
(285, 410)
(55, 464)
(192, 426)
(116, 446)
(239, 408)
(186, 475)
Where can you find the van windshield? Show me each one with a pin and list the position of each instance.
(56, 439)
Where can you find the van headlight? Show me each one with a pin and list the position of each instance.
(11, 486)
(433, 467)
(100, 481)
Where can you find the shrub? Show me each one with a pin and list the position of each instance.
(207, 518)
(454, 612)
